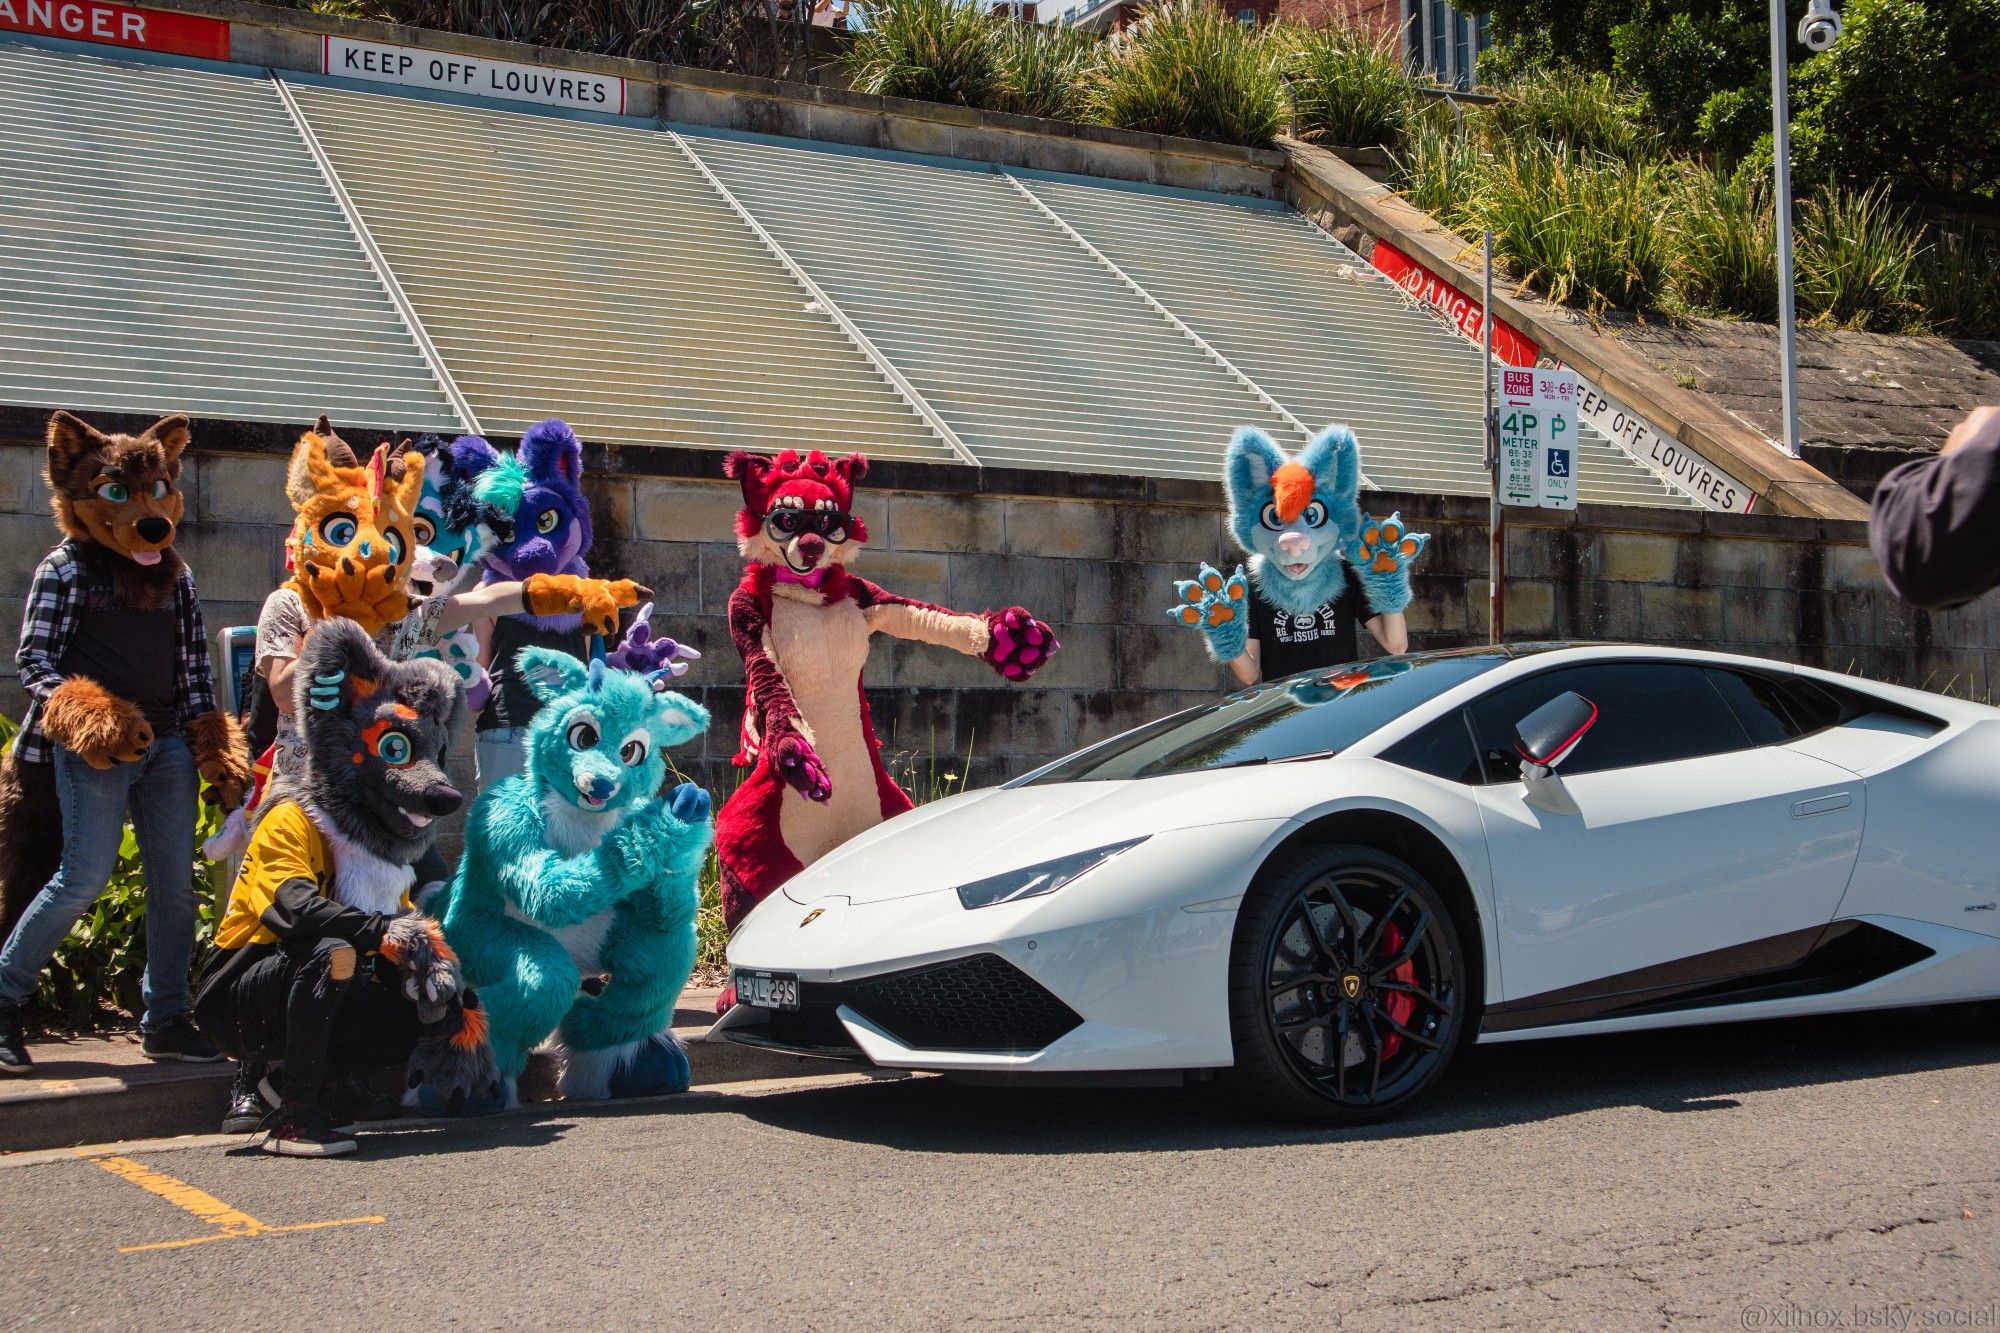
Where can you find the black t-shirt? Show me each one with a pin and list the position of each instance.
(512, 703)
(1289, 644)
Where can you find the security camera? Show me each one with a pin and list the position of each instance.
(1820, 28)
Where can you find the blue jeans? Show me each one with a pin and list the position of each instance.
(501, 753)
(159, 792)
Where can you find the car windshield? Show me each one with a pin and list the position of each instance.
(1307, 716)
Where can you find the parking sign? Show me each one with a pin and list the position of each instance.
(1538, 424)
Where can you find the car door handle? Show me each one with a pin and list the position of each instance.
(1822, 805)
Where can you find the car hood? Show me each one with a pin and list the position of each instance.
(968, 837)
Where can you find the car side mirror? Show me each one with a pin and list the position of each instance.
(1543, 739)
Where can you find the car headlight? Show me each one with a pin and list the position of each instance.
(1034, 881)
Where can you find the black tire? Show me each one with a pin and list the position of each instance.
(1297, 995)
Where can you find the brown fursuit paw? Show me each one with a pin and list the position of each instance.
(221, 755)
(96, 725)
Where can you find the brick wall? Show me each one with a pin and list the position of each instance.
(1102, 568)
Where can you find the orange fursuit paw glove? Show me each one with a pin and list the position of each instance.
(95, 725)
(221, 755)
(597, 600)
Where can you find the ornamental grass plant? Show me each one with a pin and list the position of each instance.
(1186, 68)
(1348, 87)
(1586, 228)
(1857, 260)
(930, 50)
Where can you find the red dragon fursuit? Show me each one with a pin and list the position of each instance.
(802, 624)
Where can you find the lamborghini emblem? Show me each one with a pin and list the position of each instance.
(812, 916)
(1350, 985)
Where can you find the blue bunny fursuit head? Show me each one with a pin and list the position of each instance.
(581, 866)
(540, 487)
(1295, 516)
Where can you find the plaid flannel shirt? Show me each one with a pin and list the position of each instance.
(46, 624)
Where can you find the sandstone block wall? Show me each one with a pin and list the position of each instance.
(1100, 567)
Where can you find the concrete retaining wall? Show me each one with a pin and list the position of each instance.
(1099, 563)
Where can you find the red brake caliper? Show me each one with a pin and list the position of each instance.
(1394, 1003)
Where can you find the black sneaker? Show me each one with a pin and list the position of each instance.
(349, 1098)
(247, 1107)
(178, 1040)
(305, 1131)
(14, 1057)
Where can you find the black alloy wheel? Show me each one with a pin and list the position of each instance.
(1348, 986)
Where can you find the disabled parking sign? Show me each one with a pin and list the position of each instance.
(1538, 446)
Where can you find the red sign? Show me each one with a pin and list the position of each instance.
(118, 25)
(1509, 343)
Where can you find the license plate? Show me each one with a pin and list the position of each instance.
(767, 990)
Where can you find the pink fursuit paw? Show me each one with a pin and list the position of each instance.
(1020, 644)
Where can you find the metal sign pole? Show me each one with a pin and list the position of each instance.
(1496, 516)
(1781, 164)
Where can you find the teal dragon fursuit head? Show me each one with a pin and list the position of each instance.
(580, 867)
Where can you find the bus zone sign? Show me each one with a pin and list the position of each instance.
(1538, 436)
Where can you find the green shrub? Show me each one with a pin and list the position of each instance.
(1728, 244)
(1856, 260)
(1187, 68)
(1957, 281)
(1349, 87)
(1906, 99)
(1585, 111)
(1588, 229)
(1045, 70)
(931, 50)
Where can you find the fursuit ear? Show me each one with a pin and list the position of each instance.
(1334, 459)
(1248, 465)
(853, 467)
(683, 718)
(70, 439)
(172, 433)
(550, 674)
(408, 491)
(311, 472)
(551, 451)
(468, 456)
(338, 664)
(750, 472)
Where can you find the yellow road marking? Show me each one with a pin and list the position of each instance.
(230, 1223)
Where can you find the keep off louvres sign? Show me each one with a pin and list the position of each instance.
(414, 67)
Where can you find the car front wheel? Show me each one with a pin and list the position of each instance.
(1347, 986)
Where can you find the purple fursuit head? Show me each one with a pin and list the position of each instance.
(540, 485)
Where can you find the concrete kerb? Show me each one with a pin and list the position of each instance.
(127, 1097)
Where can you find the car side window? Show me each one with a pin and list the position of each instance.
(1647, 713)
(1760, 704)
(1443, 749)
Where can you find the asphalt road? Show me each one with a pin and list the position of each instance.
(1799, 1175)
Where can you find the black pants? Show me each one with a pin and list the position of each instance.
(294, 1005)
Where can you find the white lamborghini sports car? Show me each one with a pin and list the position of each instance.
(1324, 885)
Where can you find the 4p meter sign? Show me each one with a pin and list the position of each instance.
(414, 67)
(1538, 433)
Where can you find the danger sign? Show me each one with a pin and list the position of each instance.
(118, 25)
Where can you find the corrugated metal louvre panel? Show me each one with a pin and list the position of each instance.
(1319, 330)
(167, 244)
(583, 268)
(1027, 347)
